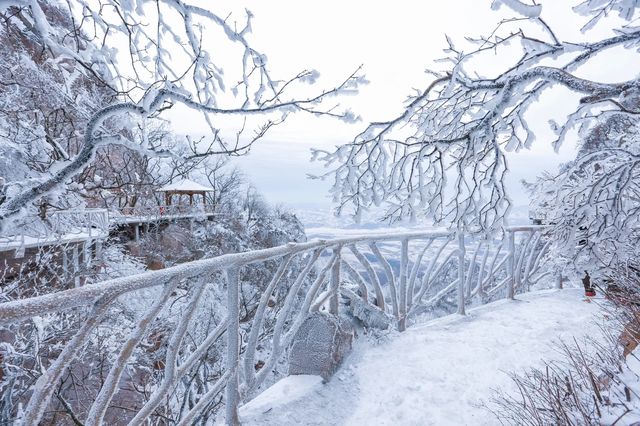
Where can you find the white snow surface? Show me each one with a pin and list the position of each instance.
(185, 185)
(436, 373)
(288, 391)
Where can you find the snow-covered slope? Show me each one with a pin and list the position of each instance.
(436, 373)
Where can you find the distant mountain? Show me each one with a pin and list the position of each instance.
(322, 216)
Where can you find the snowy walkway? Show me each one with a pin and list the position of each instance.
(433, 374)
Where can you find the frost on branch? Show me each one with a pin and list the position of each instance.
(530, 11)
(147, 56)
(594, 203)
(445, 157)
(599, 9)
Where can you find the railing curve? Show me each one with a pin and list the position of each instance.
(398, 276)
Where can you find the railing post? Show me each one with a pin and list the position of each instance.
(511, 264)
(402, 288)
(335, 282)
(461, 280)
(232, 394)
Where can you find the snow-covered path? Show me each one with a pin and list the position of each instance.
(436, 373)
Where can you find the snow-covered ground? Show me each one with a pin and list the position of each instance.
(436, 373)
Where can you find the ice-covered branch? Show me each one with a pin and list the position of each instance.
(162, 64)
(444, 157)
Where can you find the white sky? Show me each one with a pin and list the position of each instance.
(395, 42)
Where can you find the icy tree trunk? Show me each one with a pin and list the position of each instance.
(84, 157)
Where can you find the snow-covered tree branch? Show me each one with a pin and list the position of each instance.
(445, 156)
(176, 53)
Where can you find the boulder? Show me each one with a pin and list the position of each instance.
(321, 344)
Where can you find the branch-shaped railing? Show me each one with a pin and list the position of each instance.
(88, 221)
(58, 227)
(433, 268)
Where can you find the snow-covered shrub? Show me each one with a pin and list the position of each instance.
(588, 386)
(596, 381)
(46, 101)
(593, 204)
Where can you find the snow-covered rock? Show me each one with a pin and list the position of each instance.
(320, 345)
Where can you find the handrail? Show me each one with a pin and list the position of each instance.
(58, 227)
(450, 272)
(87, 295)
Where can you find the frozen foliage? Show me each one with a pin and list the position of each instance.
(444, 156)
(148, 56)
(45, 103)
(594, 381)
(594, 203)
(591, 384)
(530, 11)
(600, 9)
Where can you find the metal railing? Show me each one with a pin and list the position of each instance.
(399, 276)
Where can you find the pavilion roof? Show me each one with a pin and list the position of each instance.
(185, 186)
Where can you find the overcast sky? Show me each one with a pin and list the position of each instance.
(395, 42)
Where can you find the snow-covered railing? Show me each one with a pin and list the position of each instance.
(396, 275)
(58, 227)
(156, 213)
(87, 221)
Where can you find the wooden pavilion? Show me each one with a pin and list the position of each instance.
(184, 187)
